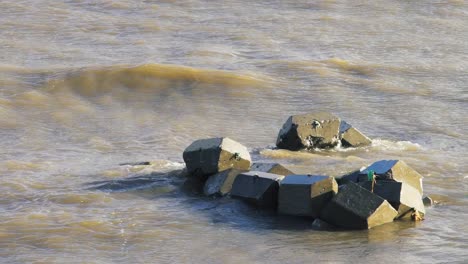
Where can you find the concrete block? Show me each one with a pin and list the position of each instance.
(308, 131)
(140, 163)
(402, 196)
(274, 168)
(428, 201)
(259, 188)
(355, 207)
(208, 156)
(352, 137)
(319, 224)
(396, 170)
(220, 184)
(305, 195)
(352, 176)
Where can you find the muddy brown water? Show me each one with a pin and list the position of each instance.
(87, 85)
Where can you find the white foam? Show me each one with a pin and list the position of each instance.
(383, 144)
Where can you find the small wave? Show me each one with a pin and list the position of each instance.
(17, 165)
(377, 144)
(147, 78)
(382, 144)
(301, 155)
(142, 168)
(344, 65)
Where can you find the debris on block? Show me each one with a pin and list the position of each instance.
(308, 131)
(396, 170)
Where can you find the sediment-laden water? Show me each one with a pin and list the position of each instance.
(87, 85)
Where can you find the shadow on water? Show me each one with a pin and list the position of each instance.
(187, 194)
(139, 182)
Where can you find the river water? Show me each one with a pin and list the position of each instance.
(87, 85)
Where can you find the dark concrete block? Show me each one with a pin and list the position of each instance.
(352, 176)
(356, 208)
(220, 184)
(396, 170)
(305, 195)
(428, 201)
(141, 163)
(274, 168)
(307, 131)
(259, 188)
(208, 156)
(319, 224)
(352, 137)
(402, 196)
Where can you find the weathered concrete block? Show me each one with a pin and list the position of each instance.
(314, 130)
(221, 183)
(356, 208)
(402, 196)
(208, 156)
(352, 137)
(305, 195)
(274, 168)
(259, 188)
(396, 170)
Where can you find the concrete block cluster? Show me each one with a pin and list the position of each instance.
(374, 195)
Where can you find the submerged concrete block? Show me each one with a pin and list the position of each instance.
(307, 131)
(259, 188)
(428, 201)
(221, 183)
(402, 196)
(352, 137)
(305, 195)
(319, 224)
(352, 176)
(355, 207)
(396, 170)
(208, 156)
(274, 168)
